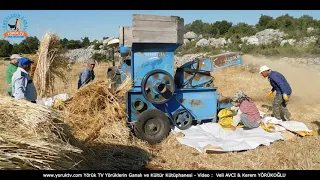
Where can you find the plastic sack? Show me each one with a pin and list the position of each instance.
(226, 118)
(51, 101)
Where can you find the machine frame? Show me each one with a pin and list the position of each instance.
(162, 98)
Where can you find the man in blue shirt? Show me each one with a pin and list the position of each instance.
(283, 92)
(22, 85)
(87, 75)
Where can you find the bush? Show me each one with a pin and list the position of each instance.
(5, 48)
(97, 45)
(99, 57)
(247, 48)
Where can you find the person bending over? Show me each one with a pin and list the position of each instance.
(246, 112)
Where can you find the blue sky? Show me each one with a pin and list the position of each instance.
(74, 24)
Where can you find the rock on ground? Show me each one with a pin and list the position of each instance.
(83, 54)
(264, 37)
(180, 60)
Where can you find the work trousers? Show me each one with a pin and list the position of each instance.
(10, 94)
(245, 120)
(279, 107)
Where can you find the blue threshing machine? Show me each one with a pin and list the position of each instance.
(161, 97)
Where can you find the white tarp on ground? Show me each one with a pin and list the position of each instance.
(294, 126)
(212, 134)
(51, 100)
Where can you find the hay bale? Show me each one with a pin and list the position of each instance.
(50, 65)
(34, 137)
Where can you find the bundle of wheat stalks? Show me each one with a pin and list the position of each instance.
(49, 65)
(94, 105)
(35, 137)
(97, 116)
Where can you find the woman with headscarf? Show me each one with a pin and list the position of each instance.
(247, 112)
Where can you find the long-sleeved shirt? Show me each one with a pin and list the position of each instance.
(9, 72)
(249, 108)
(22, 85)
(85, 77)
(246, 107)
(279, 83)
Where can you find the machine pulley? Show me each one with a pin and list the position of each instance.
(158, 86)
(182, 119)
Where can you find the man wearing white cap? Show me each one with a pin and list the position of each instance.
(12, 67)
(87, 75)
(283, 92)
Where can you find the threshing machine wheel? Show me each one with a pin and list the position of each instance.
(182, 119)
(152, 126)
(158, 86)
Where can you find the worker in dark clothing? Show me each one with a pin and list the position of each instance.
(283, 92)
(87, 75)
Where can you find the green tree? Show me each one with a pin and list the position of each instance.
(64, 42)
(285, 22)
(197, 26)
(306, 21)
(74, 44)
(94, 42)
(29, 45)
(213, 30)
(85, 42)
(5, 48)
(273, 24)
(187, 28)
(16, 49)
(242, 29)
(99, 57)
(97, 45)
(207, 30)
(222, 26)
(264, 20)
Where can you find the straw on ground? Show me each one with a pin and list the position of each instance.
(35, 137)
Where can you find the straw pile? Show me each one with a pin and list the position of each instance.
(97, 116)
(49, 65)
(34, 137)
(95, 106)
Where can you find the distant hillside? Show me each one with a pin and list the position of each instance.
(281, 36)
(284, 35)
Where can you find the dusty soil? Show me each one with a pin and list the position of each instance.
(304, 81)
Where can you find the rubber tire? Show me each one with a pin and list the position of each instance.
(142, 120)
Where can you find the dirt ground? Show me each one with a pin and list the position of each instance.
(303, 80)
(298, 153)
